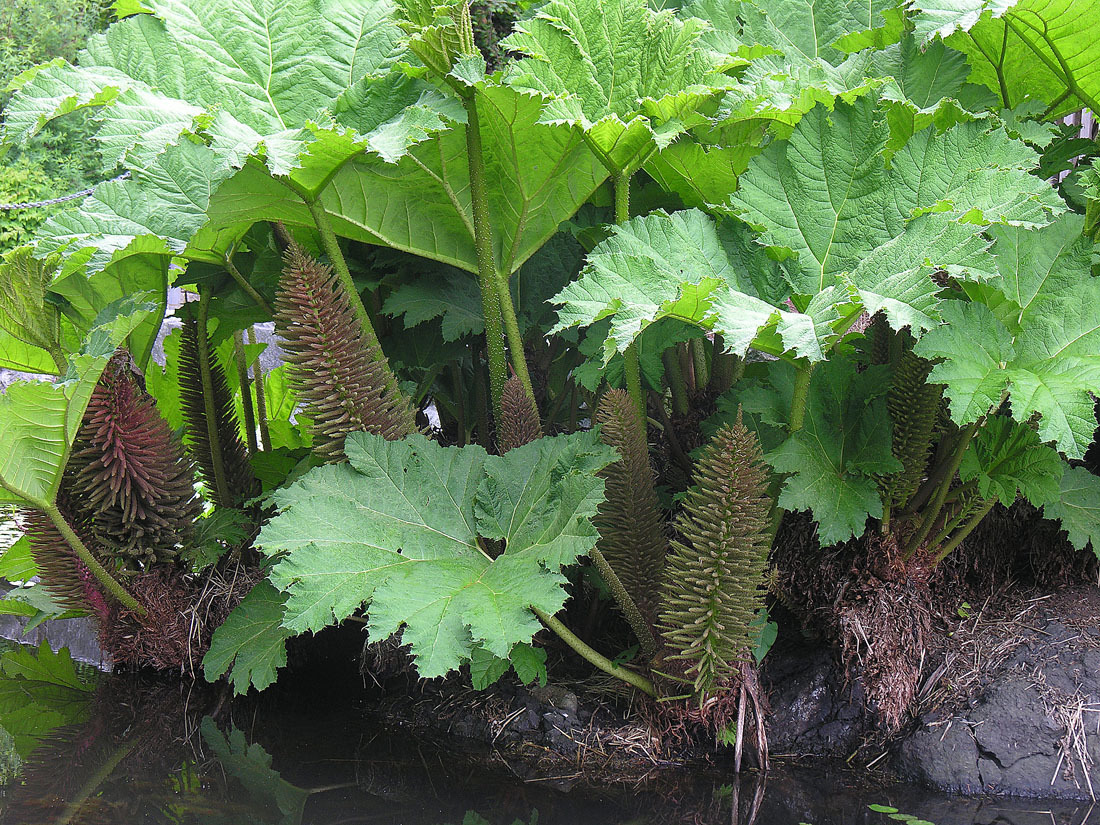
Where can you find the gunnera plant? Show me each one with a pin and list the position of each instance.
(213, 434)
(346, 384)
(713, 585)
(128, 472)
(519, 420)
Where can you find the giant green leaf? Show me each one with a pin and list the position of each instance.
(686, 267)
(1044, 49)
(832, 460)
(1042, 355)
(1007, 459)
(251, 642)
(267, 69)
(1078, 507)
(400, 528)
(827, 195)
(628, 77)
(39, 420)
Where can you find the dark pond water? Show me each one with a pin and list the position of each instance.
(80, 747)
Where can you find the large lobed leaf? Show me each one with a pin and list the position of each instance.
(631, 79)
(845, 441)
(39, 420)
(1031, 337)
(251, 642)
(1044, 49)
(400, 528)
(686, 267)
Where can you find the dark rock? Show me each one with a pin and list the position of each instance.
(814, 712)
(1014, 740)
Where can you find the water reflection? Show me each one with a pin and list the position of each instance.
(77, 749)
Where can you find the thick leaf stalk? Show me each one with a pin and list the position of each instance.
(713, 582)
(213, 434)
(519, 420)
(491, 295)
(632, 536)
(914, 406)
(128, 474)
(342, 377)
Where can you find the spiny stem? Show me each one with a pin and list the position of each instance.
(936, 505)
(953, 522)
(632, 365)
(202, 345)
(622, 198)
(633, 615)
(699, 363)
(632, 371)
(261, 395)
(967, 529)
(116, 590)
(593, 657)
(800, 396)
(515, 338)
(491, 297)
(246, 390)
(674, 375)
(243, 283)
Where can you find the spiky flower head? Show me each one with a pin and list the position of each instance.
(240, 480)
(632, 534)
(715, 572)
(519, 420)
(914, 406)
(128, 474)
(345, 382)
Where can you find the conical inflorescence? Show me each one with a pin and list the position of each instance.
(914, 406)
(519, 420)
(632, 534)
(217, 435)
(128, 474)
(346, 384)
(715, 572)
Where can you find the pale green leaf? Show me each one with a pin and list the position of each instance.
(625, 75)
(845, 441)
(1043, 354)
(398, 528)
(1044, 49)
(39, 420)
(686, 267)
(975, 348)
(839, 203)
(17, 564)
(251, 643)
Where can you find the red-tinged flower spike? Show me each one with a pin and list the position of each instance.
(129, 475)
(64, 575)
